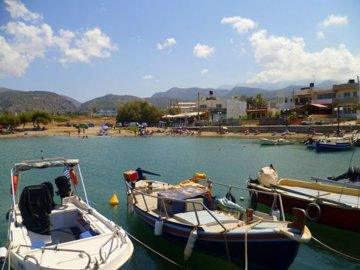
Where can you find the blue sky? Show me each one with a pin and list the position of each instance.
(87, 49)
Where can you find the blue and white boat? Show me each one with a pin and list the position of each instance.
(334, 144)
(188, 212)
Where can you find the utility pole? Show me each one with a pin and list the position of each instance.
(198, 101)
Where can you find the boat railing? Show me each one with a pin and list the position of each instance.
(43, 249)
(114, 236)
(335, 183)
(317, 198)
(195, 204)
(276, 196)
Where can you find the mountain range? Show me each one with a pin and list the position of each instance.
(21, 101)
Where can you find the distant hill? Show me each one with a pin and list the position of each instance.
(106, 102)
(3, 89)
(73, 101)
(22, 101)
(187, 94)
(246, 91)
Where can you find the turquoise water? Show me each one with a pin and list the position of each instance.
(228, 160)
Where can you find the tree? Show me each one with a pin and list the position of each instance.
(257, 102)
(138, 111)
(24, 118)
(40, 118)
(8, 120)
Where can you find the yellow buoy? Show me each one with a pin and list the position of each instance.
(114, 200)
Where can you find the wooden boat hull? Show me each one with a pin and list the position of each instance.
(337, 216)
(260, 246)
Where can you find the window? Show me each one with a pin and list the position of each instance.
(218, 106)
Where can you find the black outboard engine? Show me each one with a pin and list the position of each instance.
(64, 186)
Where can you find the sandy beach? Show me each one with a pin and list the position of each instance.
(57, 130)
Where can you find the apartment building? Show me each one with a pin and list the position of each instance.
(341, 100)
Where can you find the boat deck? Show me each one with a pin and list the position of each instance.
(305, 193)
(209, 220)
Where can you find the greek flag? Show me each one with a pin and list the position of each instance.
(66, 172)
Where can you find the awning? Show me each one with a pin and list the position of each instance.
(319, 105)
(183, 115)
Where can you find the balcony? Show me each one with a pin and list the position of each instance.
(347, 100)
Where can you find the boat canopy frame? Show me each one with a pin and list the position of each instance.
(44, 163)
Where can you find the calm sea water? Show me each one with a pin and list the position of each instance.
(228, 160)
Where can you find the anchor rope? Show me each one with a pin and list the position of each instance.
(157, 253)
(227, 248)
(334, 250)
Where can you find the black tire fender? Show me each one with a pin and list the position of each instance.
(316, 207)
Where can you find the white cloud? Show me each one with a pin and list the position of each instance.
(18, 10)
(26, 41)
(284, 59)
(11, 61)
(241, 25)
(204, 71)
(334, 20)
(148, 77)
(93, 43)
(170, 42)
(203, 51)
(320, 35)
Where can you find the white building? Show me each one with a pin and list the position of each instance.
(236, 109)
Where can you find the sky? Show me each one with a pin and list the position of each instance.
(87, 49)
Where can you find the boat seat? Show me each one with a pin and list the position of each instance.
(35, 206)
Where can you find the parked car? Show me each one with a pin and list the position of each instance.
(91, 125)
(118, 125)
(133, 124)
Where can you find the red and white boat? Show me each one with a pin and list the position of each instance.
(327, 203)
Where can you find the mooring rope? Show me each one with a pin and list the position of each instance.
(157, 253)
(336, 251)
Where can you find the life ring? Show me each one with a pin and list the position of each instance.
(73, 176)
(253, 200)
(318, 212)
(230, 197)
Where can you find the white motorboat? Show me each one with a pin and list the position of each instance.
(281, 141)
(70, 234)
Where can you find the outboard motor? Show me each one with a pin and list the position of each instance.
(64, 186)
